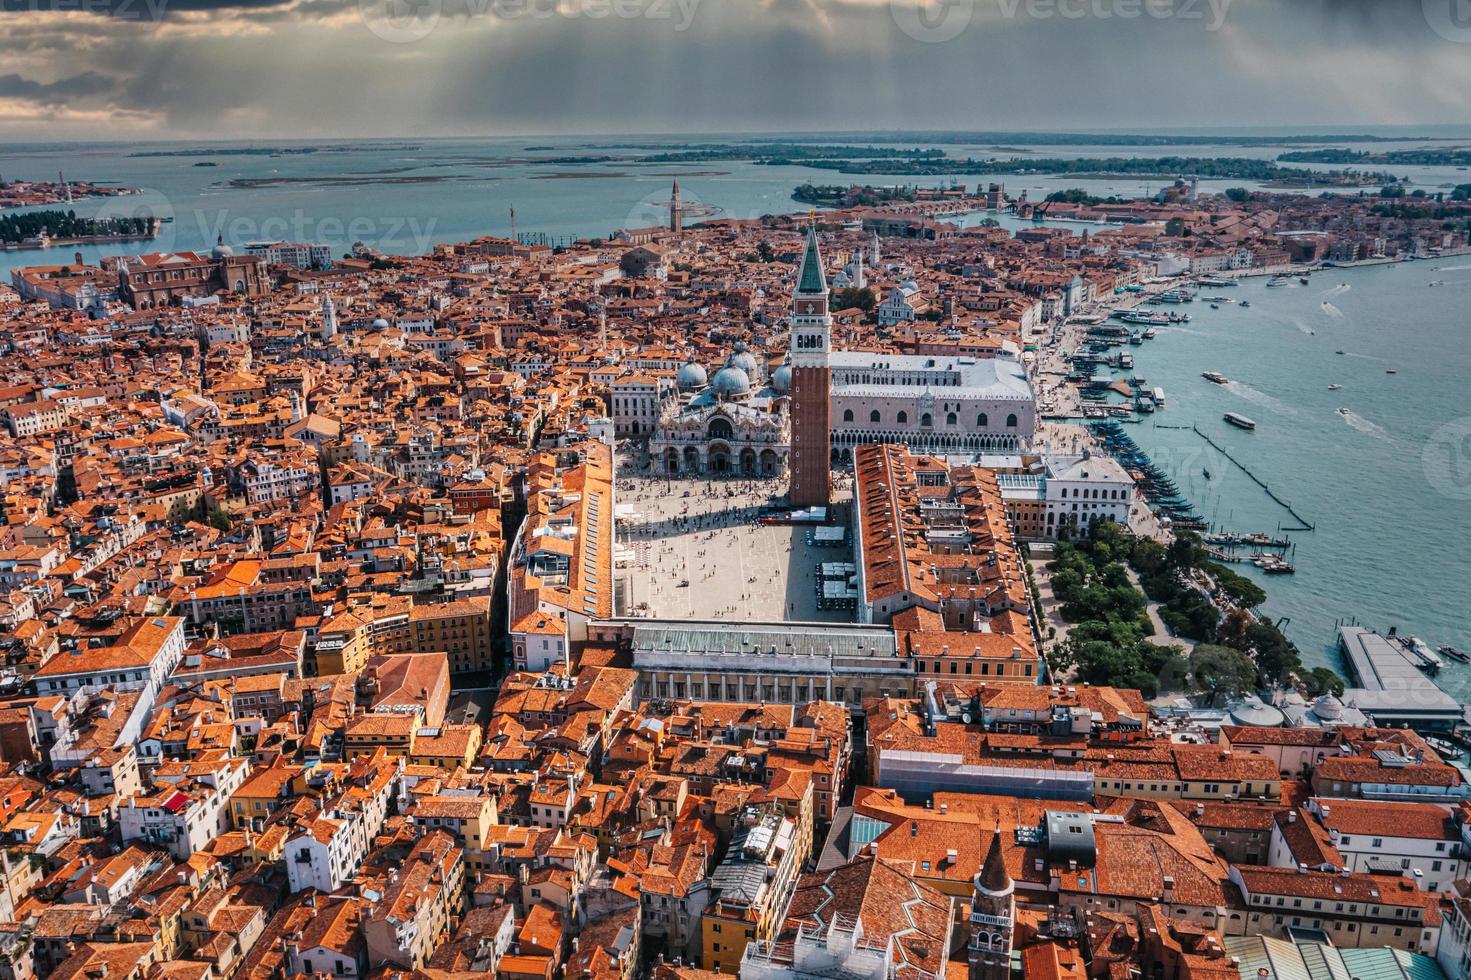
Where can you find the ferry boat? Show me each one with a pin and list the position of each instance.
(1145, 317)
(1177, 296)
(1216, 377)
(1239, 420)
(1278, 281)
(1213, 282)
(1334, 387)
(1150, 333)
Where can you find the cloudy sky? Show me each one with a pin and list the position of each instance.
(76, 69)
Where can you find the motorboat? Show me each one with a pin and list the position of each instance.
(1239, 420)
(1215, 377)
(1334, 387)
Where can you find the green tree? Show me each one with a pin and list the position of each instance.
(1321, 680)
(1237, 194)
(1222, 672)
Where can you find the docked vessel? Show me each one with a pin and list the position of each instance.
(1455, 654)
(1177, 296)
(1421, 655)
(1159, 396)
(1239, 420)
(1144, 316)
(1216, 377)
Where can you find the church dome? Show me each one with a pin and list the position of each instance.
(221, 250)
(380, 324)
(1328, 707)
(743, 360)
(781, 380)
(732, 382)
(691, 377)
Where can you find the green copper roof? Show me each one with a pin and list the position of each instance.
(812, 280)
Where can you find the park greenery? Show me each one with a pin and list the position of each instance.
(66, 224)
(1109, 637)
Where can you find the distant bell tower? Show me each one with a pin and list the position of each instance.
(992, 917)
(329, 318)
(809, 356)
(676, 218)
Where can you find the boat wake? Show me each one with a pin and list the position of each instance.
(1330, 310)
(1247, 393)
(1193, 333)
(1356, 421)
(1342, 288)
(1297, 322)
(1454, 268)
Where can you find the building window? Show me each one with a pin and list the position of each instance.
(873, 416)
(1011, 421)
(847, 415)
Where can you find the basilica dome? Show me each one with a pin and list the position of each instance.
(732, 382)
(743, 359)
(691, 377)
(781, 380)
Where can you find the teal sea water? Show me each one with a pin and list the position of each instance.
(1382, 483)
(1386, 482)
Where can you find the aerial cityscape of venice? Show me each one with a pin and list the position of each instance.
(779, 489)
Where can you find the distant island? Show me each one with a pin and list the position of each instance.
(1154, 168)
(273, 151)
(851, 195)
(36, 229)
(28, 193)
(775, 154)
(1451, 156)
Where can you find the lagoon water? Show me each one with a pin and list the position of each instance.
(1388, 484)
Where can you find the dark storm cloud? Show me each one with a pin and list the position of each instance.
(54, 93)
(140, 10)
(236, 68)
